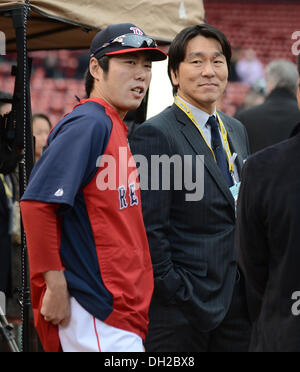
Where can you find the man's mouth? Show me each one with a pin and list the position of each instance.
(208, 85)
(138, 90)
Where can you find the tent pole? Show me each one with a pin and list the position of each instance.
(24, 128)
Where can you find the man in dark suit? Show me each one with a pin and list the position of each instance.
(268, 240)
(199, 301)
(274, 120)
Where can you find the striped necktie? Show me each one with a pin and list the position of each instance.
(218, 149)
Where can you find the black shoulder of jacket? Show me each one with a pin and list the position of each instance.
(296, 130)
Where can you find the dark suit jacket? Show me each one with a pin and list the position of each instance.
(191, 243)
(271, 122)
(268, 240)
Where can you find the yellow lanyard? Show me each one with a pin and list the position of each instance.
(187, 111)
(8, 191)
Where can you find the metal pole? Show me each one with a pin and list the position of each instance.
(20, 16)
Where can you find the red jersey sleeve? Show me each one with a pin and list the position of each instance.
(43, 232)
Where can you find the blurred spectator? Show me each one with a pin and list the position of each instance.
(4, 107)
(274, 120)
(249, 68)
(41, 127)
(52, 67)
(6, 218)
(10, 234)
(253, 98)
(7, 199)
(6, 214)
(233, 75)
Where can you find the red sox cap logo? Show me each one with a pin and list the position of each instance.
(136, 31)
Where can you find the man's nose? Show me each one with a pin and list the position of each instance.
(208, 69)
(141, 72)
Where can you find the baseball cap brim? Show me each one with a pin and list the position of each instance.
(155, 53)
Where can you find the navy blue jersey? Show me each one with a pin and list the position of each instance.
(103, 243)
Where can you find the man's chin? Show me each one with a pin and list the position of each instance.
(133, 106)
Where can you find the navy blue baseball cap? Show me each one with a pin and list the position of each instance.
(124, 38)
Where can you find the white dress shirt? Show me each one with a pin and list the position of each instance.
(202, 119)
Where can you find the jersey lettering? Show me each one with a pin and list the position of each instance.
(122, 197)
(132, 195)
(133, 198)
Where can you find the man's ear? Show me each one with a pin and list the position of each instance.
(174, 77)
(95, 69)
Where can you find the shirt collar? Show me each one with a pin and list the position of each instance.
(200, 115)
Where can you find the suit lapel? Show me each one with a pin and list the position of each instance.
(193, 136)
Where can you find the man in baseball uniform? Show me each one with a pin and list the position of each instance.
(90, 268)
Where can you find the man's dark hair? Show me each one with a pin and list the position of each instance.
(299, 64)
(177, 51)
(89, 80)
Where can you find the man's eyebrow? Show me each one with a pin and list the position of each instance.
(203, 54)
